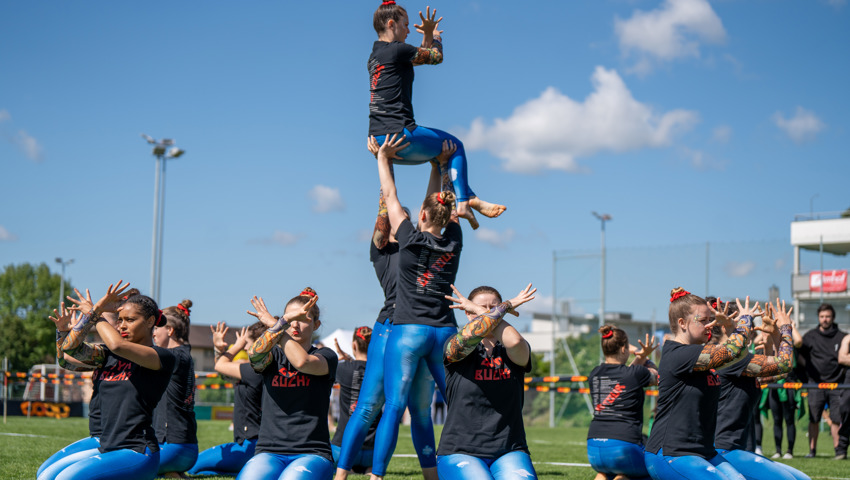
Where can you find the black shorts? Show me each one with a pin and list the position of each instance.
(820, 398)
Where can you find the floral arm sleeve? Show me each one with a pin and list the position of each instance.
(773, 379)
(60, 356)
(381, 235)
(729, 353)
(75, 346)
(471, 334)
(767, 366)
(430, 56)
(260, 352)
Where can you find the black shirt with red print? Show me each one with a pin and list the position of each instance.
(295, 407)
(485, 398)
(686, 415)
(427, 267)
(617, 395)
(391, 87)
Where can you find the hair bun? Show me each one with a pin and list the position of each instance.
(308, 292)
(678, 293)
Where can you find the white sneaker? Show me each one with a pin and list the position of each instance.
(776, 455)
(788, 456)
(758, 451)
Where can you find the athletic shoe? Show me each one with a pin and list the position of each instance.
(759, 452)
(810, 455)
(776, 455)
(788, 456)
(841, 456)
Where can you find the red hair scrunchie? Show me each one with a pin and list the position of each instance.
(608, 334)
(183, 309)
(360, 333)
(440, 199)
(161, 321)
(389, 2)
(307, 293)
(679, 295)
(716, 303)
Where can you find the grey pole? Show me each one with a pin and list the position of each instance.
(155, 239)
(161, 229)
(552, 350)
(602, 218)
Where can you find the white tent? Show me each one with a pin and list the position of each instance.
(342, 336)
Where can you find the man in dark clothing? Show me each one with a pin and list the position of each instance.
(819, 351)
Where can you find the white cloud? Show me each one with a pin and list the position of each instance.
(29, 145)
(701, 160)
(7, 236)
(553, 130)
(497, 239)
(802, 127)
(672, 31)
(739, 269)
(722, 134)
(279, 237)
(327, 199)
(5, 116)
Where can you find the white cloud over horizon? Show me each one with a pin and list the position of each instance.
(326, 199)
(721, 134)
(739, 269)
(7, 236)
(279, 237)
(495, 238)
(672, 31)
(802, 127)
(552, 131)
(25, 142)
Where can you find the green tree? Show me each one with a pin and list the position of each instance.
(28, 295)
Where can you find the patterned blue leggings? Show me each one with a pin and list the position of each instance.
(224, 459)
(757, 467)
(72, 453)
(407, 346)
(115, 465)
(371, 400)
(510, 466)
(269, 466)
(425, 145)
(689, 467)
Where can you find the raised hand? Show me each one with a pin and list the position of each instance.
(242, 338)
(303, 311)
(372, 145)
(768, 321)
(344, 356)
(218, 333)
(449, 148)
(464, 303)
(62, 319)
(524, 296)
(721, 318)
(81, 304)
(783, 316)
(112, 300)
(646, 348)
(755, 311)
(429, 25)
(262, 313)
(392, 145)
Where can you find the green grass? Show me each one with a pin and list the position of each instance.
(20, 456)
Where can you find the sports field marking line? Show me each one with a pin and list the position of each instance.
(559, 464)
(833, 478)
(23, 435)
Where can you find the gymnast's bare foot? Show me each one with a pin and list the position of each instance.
(487, 209)
(601, 476)
(463, 211)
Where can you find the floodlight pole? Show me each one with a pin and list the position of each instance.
(162, 153)
(63, 264)
(602, 219)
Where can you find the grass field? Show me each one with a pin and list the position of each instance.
(25, 443)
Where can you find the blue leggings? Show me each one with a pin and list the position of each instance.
(72, 453)
(371, 400)
(756, 467)
(224, 459)
(407, 346)
(363, 459)
(425, 145)
(689, 467)
(510, 466)
(270, 466)
(122, 464)
(616, 457)
(177, 457)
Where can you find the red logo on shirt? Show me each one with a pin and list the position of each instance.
(437, 267)
(494, 369)
(612, 397)
(290, 378)
(117, 373)
(712, 379)
(374, 82)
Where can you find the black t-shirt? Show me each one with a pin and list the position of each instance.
(738, 394)
(349, 376)
(385, 261)
(427, 267)
(391, 87)
(94, 405)
(247, 404)
(128, 395)
(174, 418)
(617, 395)
(485, 399)
(686, 415)
(820, 351)
(295, 407)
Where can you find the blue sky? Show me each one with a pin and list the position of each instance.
(688, 121)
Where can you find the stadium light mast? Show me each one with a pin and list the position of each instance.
(63, 264)
(162, 152)
(602, 219)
